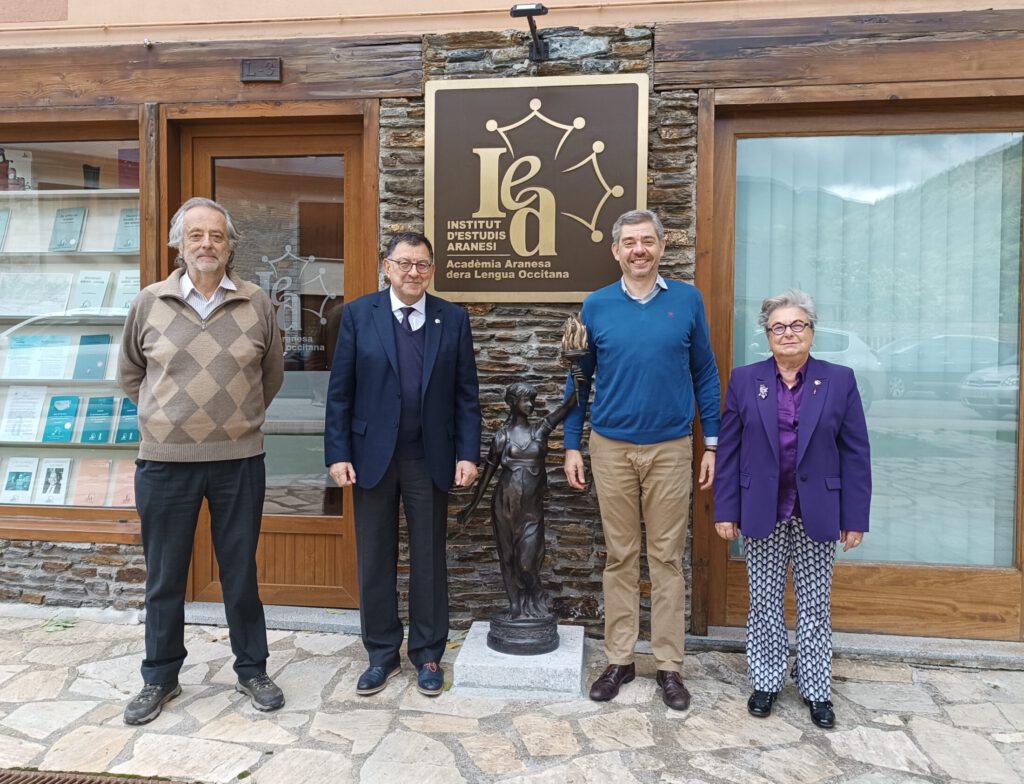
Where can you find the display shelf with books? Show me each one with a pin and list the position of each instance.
(67, 432)
(65, 249)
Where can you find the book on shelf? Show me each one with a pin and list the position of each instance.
(37, 356)
(91, 482)
(20, 175)
(52, 486)
(5, 221)
(127, 288)
(34, 293)
(18, 477)
(60, 419)
(23, 409)
(99, 420)
(124, 484)
(90, 289)
(67, 229)
(127, 238)
(91, 363)
(127, 423)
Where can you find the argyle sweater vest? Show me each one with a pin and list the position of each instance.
(202, 386)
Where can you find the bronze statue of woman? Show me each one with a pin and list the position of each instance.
(519, 449)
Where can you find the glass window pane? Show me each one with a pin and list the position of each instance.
(290, 212)
(911, 246)
(69, 269)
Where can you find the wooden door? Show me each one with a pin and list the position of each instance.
(294, 193)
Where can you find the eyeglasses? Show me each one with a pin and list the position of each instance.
(780, 329)
(406, 265)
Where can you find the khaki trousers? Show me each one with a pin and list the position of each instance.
(654, 480)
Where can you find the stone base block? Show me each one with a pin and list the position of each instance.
(482, 672)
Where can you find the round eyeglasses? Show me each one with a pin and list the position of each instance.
(796, 327)
(406, 266)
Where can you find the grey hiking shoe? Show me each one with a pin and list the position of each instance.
(264, 693)
(147, 704)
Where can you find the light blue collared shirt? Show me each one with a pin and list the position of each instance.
(659, 285)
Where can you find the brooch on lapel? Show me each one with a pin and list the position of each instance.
(437, 321)
(762, 391)
(817, 383)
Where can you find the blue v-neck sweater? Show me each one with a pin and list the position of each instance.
(650, 364)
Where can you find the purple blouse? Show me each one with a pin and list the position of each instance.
(789, 421)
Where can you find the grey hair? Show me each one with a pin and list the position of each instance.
(637, 216)
(176, 236)
(794, 298)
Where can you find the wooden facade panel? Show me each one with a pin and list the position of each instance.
(932, 601)
(311, 69)
(841, 50)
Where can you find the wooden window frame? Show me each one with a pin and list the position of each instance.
(988, 605)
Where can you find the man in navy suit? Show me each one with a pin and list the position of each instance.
(403, 423)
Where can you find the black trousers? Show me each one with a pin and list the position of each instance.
(169, 496)
(426, 516)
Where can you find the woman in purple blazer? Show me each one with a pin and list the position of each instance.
(793, 476)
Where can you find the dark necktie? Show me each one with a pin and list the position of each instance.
(407, 318)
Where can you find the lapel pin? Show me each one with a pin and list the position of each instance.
(762, 392)
(437, 321)
(817, 383)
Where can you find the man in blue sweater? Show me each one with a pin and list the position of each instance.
(650, 351)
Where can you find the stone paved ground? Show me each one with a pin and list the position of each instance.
(62, 690)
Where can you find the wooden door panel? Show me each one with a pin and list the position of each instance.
(307, 557)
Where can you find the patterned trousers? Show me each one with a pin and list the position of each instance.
(767, 642)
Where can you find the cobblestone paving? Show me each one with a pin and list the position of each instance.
(63, 688)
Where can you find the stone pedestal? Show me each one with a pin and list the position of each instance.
(480, 671)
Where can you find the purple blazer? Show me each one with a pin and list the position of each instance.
(833, 463)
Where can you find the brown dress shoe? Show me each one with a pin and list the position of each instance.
(607, 684)
(673, 692)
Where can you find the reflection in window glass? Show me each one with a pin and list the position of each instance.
(290, 212)
(911, 246)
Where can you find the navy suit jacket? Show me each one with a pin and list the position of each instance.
(364, 397)
(833, 469)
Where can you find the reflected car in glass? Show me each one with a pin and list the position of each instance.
(992, 392)
(939, 364)
(842, 348)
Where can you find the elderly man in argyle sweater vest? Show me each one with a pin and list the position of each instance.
(201, 357)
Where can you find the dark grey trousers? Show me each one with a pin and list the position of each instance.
(168, 497)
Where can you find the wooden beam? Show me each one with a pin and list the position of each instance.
(856, 50)
(311, 69)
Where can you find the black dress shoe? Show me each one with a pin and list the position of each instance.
(673, 692)
(430, 681)
(761, 702)
(607, 684)
(821, 713)
(375, 679)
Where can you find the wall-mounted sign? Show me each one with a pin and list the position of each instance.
(524, 179)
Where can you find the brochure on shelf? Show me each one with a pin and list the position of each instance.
(124, 484)
(127, 288)
(91, 482)
(22, 411)
(91, 362)
(90, 289)
(37, 356)
(34, 293)
(60, 419)
(52, 486)
(5, 221)
(18, 478)
(127, 423)
(67, 229)
(99, 420)
(127, 238)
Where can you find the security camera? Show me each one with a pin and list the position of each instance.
(527, 9)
